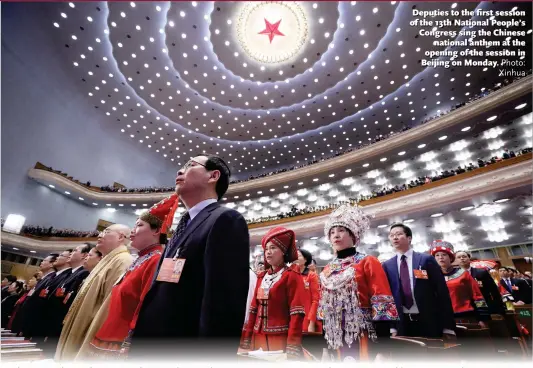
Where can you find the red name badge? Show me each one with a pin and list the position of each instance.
(60, 292)
(262, 293)
(306, 284)
(65, 301)
(171, 270)
(43, 293)
(420, 274)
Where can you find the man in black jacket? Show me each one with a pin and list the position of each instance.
(419, 290)
(486, 283)
(194, 309)
(32, 307)
(56, 307)
(38, 330)
(518, 288)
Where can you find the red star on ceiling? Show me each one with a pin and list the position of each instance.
(271, 30)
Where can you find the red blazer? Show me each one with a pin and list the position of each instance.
(465, 294)
(312, 298)
(126, 299)
(281, 314)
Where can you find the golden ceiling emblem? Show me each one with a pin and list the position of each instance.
(251, 20)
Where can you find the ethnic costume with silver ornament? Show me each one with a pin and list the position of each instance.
(355, 293)
(355, 290)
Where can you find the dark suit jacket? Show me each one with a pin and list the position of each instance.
(524, 290)
(209, 301)
(431, 295)
(489, 289)
(31, 309)
(37, 324)
(56, 310)
(8, 303)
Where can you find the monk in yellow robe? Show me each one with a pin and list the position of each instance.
(112, 243)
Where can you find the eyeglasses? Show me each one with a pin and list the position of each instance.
(191, 163)
(107, 231)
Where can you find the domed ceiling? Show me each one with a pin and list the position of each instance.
(263, 84)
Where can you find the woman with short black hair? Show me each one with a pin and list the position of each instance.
(14, 291)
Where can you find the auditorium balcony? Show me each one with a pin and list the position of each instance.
(468, 121)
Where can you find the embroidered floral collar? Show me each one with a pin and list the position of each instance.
(455, 273)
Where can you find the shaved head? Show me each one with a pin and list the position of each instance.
(123, 229)
(113, 237)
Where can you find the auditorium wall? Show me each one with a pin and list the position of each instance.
(46, 118)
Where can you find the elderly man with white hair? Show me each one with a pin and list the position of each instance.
(113, 244)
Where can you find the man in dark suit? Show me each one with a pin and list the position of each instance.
(196, 311)
(419, 290)
(486, 283)
(518, 288)
(56, 308)
(526, 285)
(37, 328)
(33, 304)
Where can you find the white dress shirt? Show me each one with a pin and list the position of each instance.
(198, 207)
(409, 260)
(63, 270)
(76, 269)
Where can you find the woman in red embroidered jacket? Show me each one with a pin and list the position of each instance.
(312, 291)
(277, 310)
(119, 312)
(467, 300)
(355, 290)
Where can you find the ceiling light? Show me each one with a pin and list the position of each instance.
(443, 137)
(521, 106)
(437, 215)
(382, 226)
(81, 199)
(315, 179)
(51, 186)
(409, 221)
(375, 10)
(15, 249)
(95, 204)
(401, 153)
(421, 145)
(465, 129)
(348, 170)
(366, 165)
(67, 192)
(32, 251)
(182, 14)
(383, 159)
(493, 117)
(503, 200)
